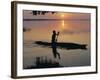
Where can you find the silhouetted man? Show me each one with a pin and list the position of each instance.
(54, 44)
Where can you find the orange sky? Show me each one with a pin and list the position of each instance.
(59, 15)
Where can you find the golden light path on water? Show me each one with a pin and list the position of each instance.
(63, 24)
(62, 27)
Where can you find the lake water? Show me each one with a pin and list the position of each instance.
(74, 31)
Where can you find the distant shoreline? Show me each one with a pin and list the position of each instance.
(56, 19)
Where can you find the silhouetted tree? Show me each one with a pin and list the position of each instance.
(42, 12)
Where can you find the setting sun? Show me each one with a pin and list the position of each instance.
(62, 15)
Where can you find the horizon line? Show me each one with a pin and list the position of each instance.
(55, 19)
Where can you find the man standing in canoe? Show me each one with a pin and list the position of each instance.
(54, 44)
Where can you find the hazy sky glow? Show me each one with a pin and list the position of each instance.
(57, 15)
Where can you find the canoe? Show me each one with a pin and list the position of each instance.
(62, 45)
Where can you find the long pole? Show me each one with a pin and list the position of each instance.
(57, 36)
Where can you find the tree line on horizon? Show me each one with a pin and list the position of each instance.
(42, 12)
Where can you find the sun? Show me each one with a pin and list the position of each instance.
(62, 15)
